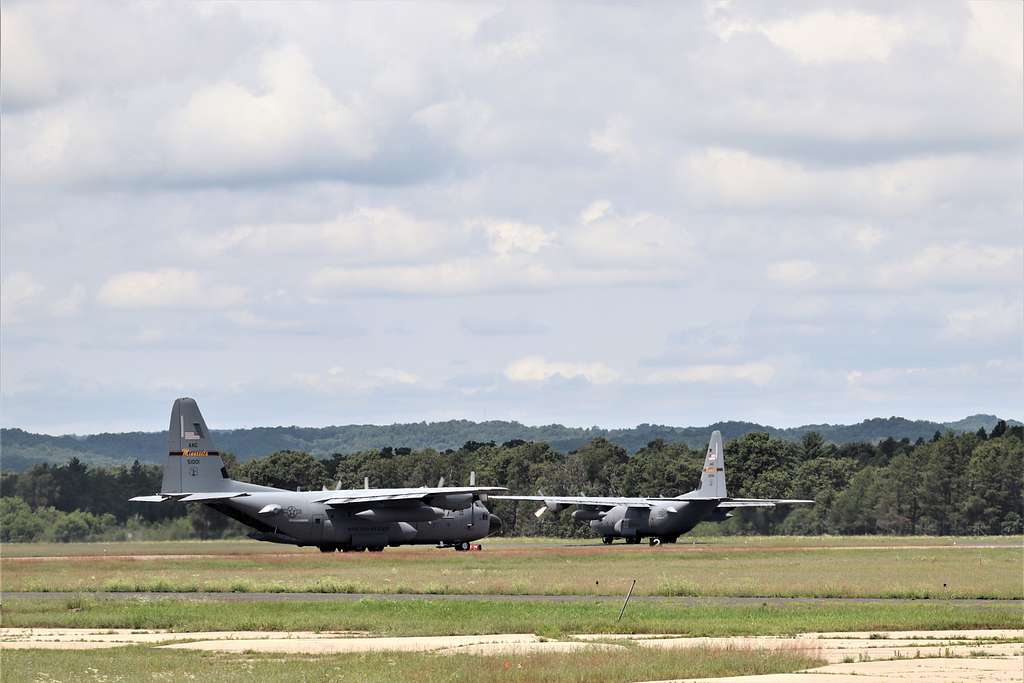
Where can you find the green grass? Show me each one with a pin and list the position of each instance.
(454, 617)
(248, 547)
(626, 664)
(743, 567)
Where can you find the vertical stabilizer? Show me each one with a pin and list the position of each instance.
(193, 464)
(712, 478)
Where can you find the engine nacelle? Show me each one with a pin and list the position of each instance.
(452, 501)
(423, 513)
(718, 515)
(555, 507)
(584, 515)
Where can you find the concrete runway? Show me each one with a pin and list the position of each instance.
(332, 597)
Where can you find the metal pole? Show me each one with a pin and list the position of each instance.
(630, 593)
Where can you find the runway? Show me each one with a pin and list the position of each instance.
(471, 597)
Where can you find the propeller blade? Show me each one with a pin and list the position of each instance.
(540, 512)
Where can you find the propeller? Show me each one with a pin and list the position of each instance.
(366, 482)
(440, 483)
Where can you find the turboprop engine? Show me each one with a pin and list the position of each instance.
(453, 501)
(584, 515)
(423, 513)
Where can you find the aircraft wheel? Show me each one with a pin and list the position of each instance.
(376, 548)
(326, 548)
(463, 546)
(633, 540)
(655, 541)
(607, 540)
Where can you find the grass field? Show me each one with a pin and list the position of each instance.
(140, 663)
(738, 566)
(456, 617)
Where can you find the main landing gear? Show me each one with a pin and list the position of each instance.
(607, 540)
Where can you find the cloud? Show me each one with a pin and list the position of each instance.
(338, 379)
(606, 238)
(537, 369)
(363, 235)
(759, 374)
(955, 265)
(997, 321)
(166, 288)
(71, 303)
(995, 32)
(29, 77)
(508, 237)
(19, 293)
(226, 128)
(490, 326)
(825, 37)
(794, 272)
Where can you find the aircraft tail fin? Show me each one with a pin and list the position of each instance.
(193, 464)
(712, 477)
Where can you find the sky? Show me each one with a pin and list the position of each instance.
(580, 213)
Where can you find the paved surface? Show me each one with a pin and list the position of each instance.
(938, 670)
(941, 656)
(329, 597)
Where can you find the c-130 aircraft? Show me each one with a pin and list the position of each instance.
(352, 519)
(662, 520)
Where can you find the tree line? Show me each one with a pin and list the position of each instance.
(952, 483)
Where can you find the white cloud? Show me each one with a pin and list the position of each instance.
(640, 240)
(29, 77)
(759, 374)
(614, 139)
(508, 237)
(339, 380)
(986, 323)
(737, 177)
(595, 211)
(867, 238)
(952, 266)
(793, 272)
(167, 288)
(825, 37)
(537, 369)
(996, 32)
(290, 118)
(363, 235)
(71, 303)
(19, 293)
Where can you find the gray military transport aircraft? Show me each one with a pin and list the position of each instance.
(353, 519)
(663, 520)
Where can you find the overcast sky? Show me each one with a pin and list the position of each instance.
(603, 214)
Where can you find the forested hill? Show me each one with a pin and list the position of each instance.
(20, 450)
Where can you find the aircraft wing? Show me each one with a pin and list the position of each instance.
(584, 501)
(425, 494)
(762, 502)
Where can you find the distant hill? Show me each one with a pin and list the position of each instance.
(20, 450)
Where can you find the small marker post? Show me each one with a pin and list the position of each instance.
(626, 602)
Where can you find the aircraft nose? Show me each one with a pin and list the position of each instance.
(495, 524)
